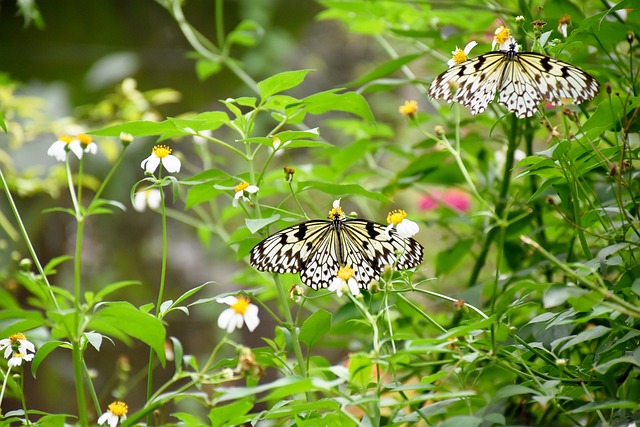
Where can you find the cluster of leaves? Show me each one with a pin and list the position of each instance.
(533, 316)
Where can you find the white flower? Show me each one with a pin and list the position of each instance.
(502, 39)
(18, 346)
(344, 281)
(117, 412)
(240, 311)
(404, 227)
(17, 359)
(200, 137)
(147, 198)
(240, 190)
(460, 55)
(65, 143)
(87, 144)
(161, 154)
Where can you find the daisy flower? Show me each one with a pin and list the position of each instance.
(461, 55)
(146, 198)
(501, 39)
(404, 227)
(409, 109)
(117, 412)
(161, 154)
(241, 189)
(240, 311)
(344, 281)
(63, 145)
(17, 344)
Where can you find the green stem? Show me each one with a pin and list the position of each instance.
(422, 313)
(77, 375)
(291, 326)
(620, 304)
(501, 203)
(27, 240)
(4, 384)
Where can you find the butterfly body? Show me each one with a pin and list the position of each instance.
(522, 80)
(318, 248)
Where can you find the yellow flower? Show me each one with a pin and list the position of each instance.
(404, 227)
(240, 190)
(410, 108)
(240, 311)
(501, 38)
(344, 280)
(461, 55)
(161, 154)
(117, 412)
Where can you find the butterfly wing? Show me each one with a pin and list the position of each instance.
(536, 77)
(368, 250)
(287, 250)
(472, 83)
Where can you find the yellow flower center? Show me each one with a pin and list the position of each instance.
(19, 355)
(66, 138)
(241, 305)
(118, 408)
(15, 337)
(161, 151)
(396, 216)
(85, 139)
(501, 35)
(241, 187)
(336, 213)
(410, 107)
(345, 273)
(459, 56)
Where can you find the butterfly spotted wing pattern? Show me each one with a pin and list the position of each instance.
(317, 249)
(522, 80)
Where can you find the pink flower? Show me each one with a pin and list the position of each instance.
(453, 198)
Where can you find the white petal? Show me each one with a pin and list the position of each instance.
(104, 417)
(236, 322)
(353, 287)
(140, 201)
(469, 46)
(154, 198)
(451, 63)
(150, 164)
(229, 300)
(7, 352)
(113, 421)
(92, 148)
(251, 317)
(407, 228)
(76, 148)
(336, 203)
(26, 346)
(171, 163)
(225, 318)
(15, 361)
(251, 189)
(58, 151)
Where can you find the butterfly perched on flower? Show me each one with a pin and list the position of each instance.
(317, 249)
(522, 80)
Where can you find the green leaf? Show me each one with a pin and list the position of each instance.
(43, 351)
(99, 296)
(50, 267)
(461, 421)
(610, 404)
(447, 260)
(384, 69)
(205, 68)
(604, 368)
(3, 125)
(587, 335)
(337, 190)
(128, 320)
(246, 33)
(315, 327)
(189, 419)
(220, 415)
(178, 353)
(350, 102)
(258, 224)
(281, 82)
(137, 128)
(513, 390)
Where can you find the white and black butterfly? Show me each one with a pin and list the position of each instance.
(317, 249)
(522, 80)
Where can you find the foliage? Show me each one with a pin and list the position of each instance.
(525, 311)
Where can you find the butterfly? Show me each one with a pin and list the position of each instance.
(317, 249)
(522, 80)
